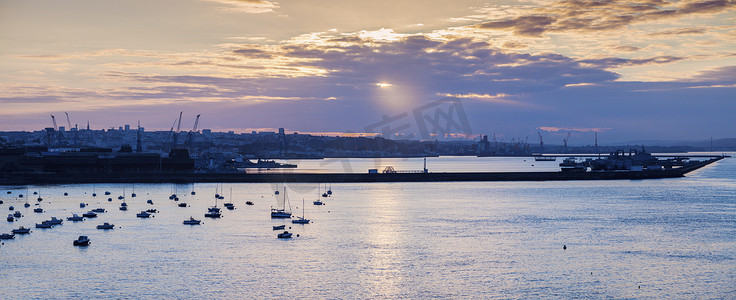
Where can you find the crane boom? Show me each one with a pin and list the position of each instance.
(53, 119)
(196, 122)
(175, 141)
(68, 121)
(178, 127)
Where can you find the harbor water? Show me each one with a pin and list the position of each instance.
(661, 238)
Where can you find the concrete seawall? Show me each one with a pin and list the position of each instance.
(16, 179)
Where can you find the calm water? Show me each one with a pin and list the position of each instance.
(672, 238)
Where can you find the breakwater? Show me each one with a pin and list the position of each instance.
(45, 178)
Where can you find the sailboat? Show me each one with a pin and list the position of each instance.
(318, 201)
(301, 220)
(230, 205)
(213, 212)
(280, 211)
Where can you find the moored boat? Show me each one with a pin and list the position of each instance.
(43, 224)
(106, 226)
(82, 240)
(21, 230)
(74, 218)
(192, 221)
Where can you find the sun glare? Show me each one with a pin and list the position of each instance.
(383, 84)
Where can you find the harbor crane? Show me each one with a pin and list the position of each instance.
(565, 140)
(53, 119)
(175, 134)
(541, 143)
(191, 133)
(68, 121)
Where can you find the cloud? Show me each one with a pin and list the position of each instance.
(557, 129)
(615, 62)
(679, 31)
(248, 6)
(594, 15)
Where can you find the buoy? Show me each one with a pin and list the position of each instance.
(297, 235)
(564, 247)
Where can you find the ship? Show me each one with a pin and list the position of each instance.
(263, 164)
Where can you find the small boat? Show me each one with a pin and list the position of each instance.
(107, 193)
(133, 195)
(213, 209)
(54, 221)
(99, 210)
(38, 210)
(27, 204)
(9, 192)
(143, 214)
(66, 194)
(123, 208)
(149, 201)
(152, 210)
(182, 204)
(121, 197)
(20, 195)
(109, 199)
(35, 193)
(192, 221)
(11, 218)
(212, 214)
(11, 207)
(82, 205)
(17, 214)
(82, 240)
(318, 202)
(1, 202)
(193, 193)
(89, 214)
(21, 230)
(94, 194)
(248, 202)
(75, 218)
(43, 224)
(39, 199)
(284, 235)
(123, 204)
(106, 226)
(7, 236)
(279, 227)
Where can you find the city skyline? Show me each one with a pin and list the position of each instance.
(628, 70)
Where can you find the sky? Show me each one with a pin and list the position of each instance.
(624, 70)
